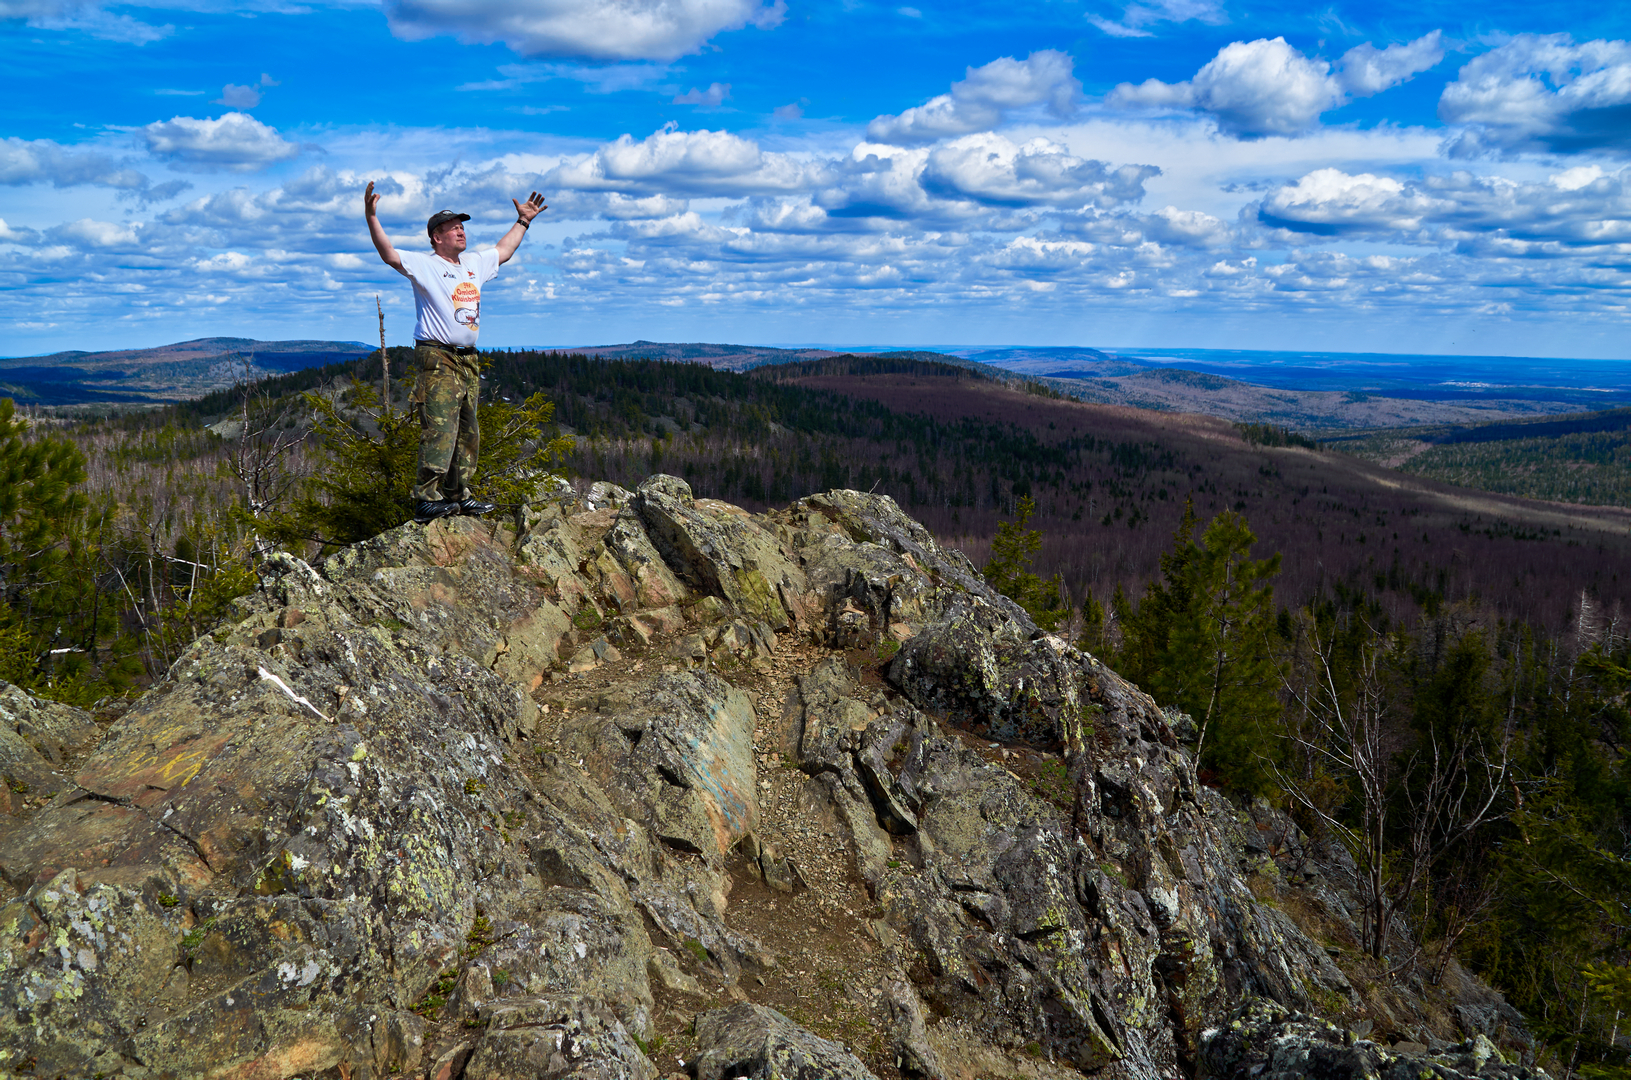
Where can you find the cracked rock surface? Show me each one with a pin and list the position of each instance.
(642, 785)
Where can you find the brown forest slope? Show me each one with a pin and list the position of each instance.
(1339, 521)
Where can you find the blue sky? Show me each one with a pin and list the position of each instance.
(1423, 177)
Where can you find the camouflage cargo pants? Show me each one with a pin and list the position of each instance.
(449, 436)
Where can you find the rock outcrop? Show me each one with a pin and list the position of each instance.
(37, 737)
(1263, 1040)
(463, 801)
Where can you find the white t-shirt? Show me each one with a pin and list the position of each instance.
(448, 297)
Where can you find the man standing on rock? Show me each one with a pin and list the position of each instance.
(447, 295)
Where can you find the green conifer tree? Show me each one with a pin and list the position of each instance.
(1200, 639)
(368, 459)
(1009, 569)
(41, 508)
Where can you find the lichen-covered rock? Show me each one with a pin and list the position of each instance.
(555, 1038)
(677, 756)
(754, 1041)
(720, 550)
(349, 761)
(605, 493)
(876, 519)
(991, 671)
(83, 963)
(53, 730)
(1262, 1040)
(36, 739)
(908, 1034)
(653, 584)
(1106, 931)
(455, 581)
(330, 814)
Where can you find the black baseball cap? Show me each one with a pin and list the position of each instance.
(442, 217)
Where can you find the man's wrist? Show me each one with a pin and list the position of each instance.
(523, 224)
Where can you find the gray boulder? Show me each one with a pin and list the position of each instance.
(340, 816)
(37, 737)
(677, 755)
(547, 1038)
(720, 550)
(755, 1041)
(1262, 1040)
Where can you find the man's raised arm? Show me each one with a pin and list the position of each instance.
(376, 231)
(524, 213)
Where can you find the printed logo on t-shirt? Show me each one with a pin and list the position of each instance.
(467, 305)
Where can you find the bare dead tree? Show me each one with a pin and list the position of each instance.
(1346, 735)
(384, 358)
(1436, 795)
(259, 461)
(1465, 779)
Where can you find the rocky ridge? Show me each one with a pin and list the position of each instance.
(642, 785)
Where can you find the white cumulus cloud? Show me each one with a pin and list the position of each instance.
(1542, 93)
(1185, 228)
(13, 234)
(40, 161)
(99, 235)
(1366, 70)
(1327, 202)
(1254, 89)
(1577, 213)
(591, 29)
(234, 96)
(980, 100)
(236, 142)
(680, 162)
(991, 170)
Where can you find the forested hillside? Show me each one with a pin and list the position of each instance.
(1435, 677)
(1578, 459)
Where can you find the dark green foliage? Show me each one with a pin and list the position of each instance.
(365, 369)
(1557, 937)
(872, 364)
(515, 450)
(1592, 468)
(41, 543)
(1583, 459)
(1094, 627)
(1202, 639)
(1009, 570)
(367, 460)
(760, 439)
(1274, 435)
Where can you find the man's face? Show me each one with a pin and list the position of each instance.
(449, 238)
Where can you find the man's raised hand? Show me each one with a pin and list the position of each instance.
(526, 211)
(376, 231)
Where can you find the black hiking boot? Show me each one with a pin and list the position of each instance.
(475, 507)
(431, 509)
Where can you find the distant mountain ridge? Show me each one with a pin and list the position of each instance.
(1113, 378)
(1308, 392)
(175, 372)
(747, 357)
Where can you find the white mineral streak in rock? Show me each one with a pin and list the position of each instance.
(296, 698)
